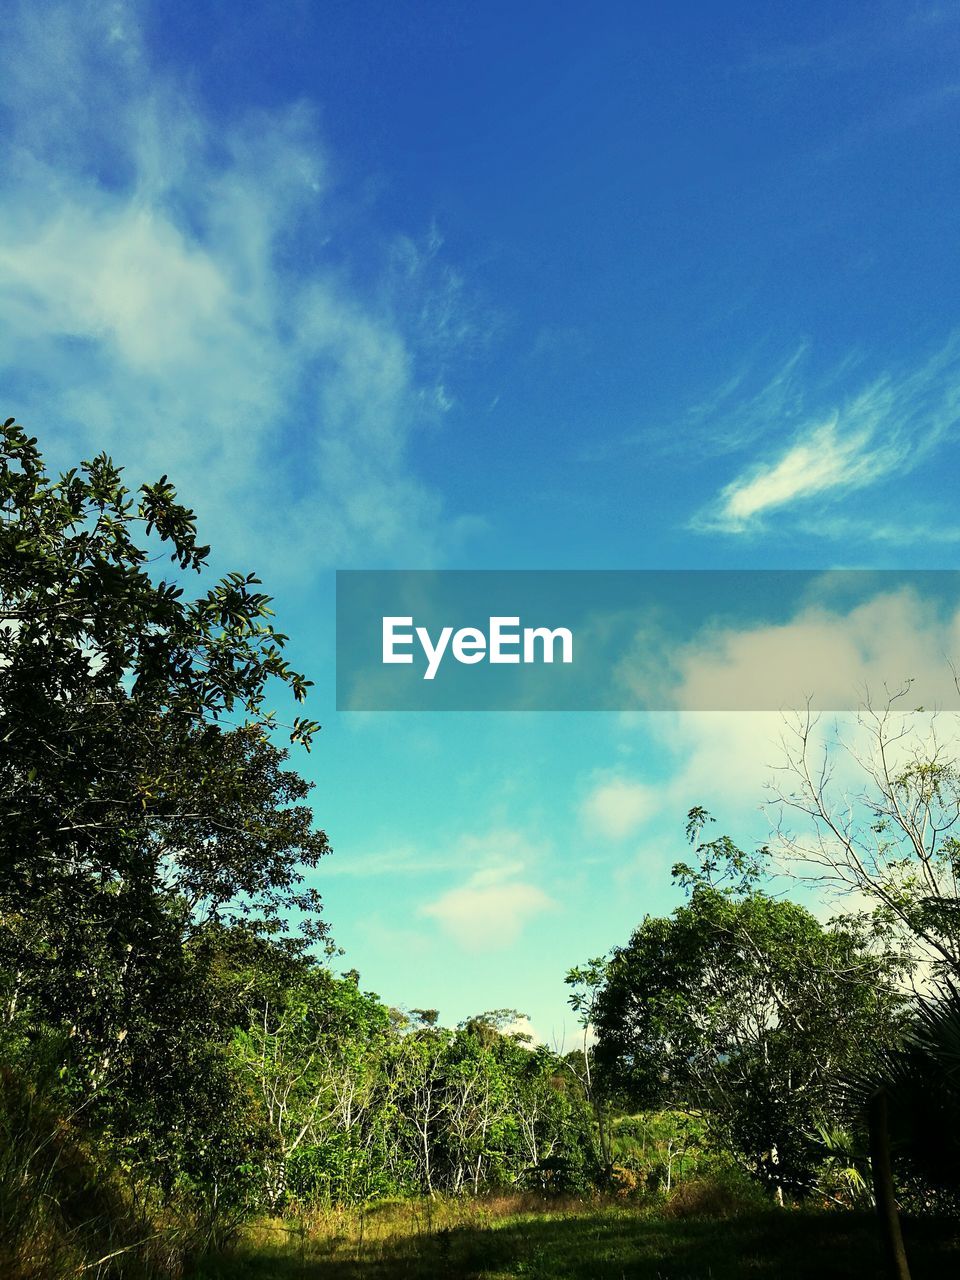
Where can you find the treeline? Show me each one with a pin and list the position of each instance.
(353, 1100)
(279, 1083)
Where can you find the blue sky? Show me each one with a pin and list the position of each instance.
(498, 286)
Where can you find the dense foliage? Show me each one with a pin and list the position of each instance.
(153, 849)
(745, 1006)
(177, 1052)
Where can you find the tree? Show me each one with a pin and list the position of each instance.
(115, 693)
(306, 1053)
(588, 981)
(142, 801)
(878, 809)
(744, 1006)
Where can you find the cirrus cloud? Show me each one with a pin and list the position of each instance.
(886, 429)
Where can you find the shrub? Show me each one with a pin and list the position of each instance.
(623, 1181)
(719, 1195)
(63, 1209)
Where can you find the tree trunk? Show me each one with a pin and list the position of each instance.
(882, 1170)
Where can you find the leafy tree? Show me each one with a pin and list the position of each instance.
(587, 982)
(143, 805)
(309, 1054)
(746, 1007)
(663, 1147)
(474, 1107)
(115, 701)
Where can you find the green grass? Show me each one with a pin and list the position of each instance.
(501, 1240)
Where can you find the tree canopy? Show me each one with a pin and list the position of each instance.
(143, 800)
(744, 1005)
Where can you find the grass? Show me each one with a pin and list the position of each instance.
(63, 1210)
(509, 1237)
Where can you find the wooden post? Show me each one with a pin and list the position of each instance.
(882, 1170)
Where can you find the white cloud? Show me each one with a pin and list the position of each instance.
(878, 528)
(830, 650)
(733, 416)
(402, 860)
(885, 430)
(617, 806)
(728, 759)
(820, 462)
(172, 296)
(490, 909)
(723, 759)
(725, 745)
(833, 656)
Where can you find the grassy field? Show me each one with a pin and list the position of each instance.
(517, 1237)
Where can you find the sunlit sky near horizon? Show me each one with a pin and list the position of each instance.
(497, 286)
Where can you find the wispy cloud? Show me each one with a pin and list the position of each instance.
(821, 461)
(881, 33)
(404, 860)
(735, 415)
(881, 530)
(724, 419)
(176, 292)
(888, 427)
